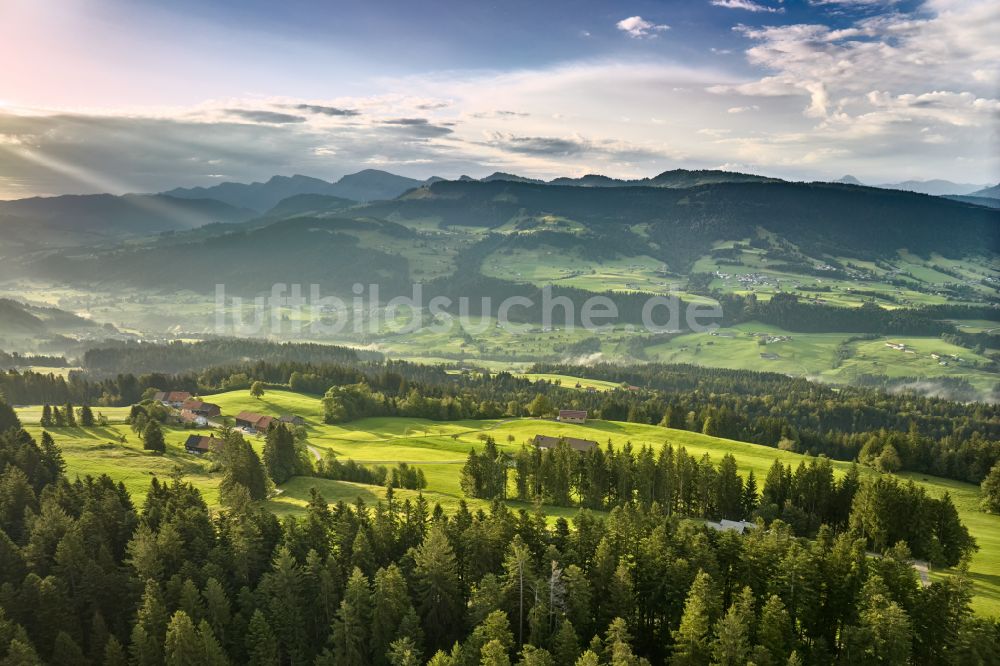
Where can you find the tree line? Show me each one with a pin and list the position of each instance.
(931, 435)
(881, 511)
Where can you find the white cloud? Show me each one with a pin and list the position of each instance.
(748, 5)
(639, 28)
(855, 99)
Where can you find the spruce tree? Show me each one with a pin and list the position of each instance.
(750, 498)
(114, 653)
(183, 645)
(565, 644)
(261, 645)
(282, 590)
(691, 639)
(66, 652)
(69, 416)
(144, 648)
(731, 646)
(52, 456)
(494, 654)
(392, 606)
(152, 437)
(774, 632)
(402, 652)
(438, 589)
(280, 456)
(350, 638)
(217, 609)
(212, 652)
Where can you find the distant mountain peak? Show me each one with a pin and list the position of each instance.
(848, 179)
(988, 192)
(514, 178)
(365, 185)
(935, 187)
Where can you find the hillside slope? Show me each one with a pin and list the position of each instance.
(45, 222)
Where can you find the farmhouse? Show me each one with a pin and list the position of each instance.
(253, 421)
(292, 419)
(573, 415)
(200, 444)
(187, 416)
(201, 408)
(726, 525)
(171, 398)
(581, 445)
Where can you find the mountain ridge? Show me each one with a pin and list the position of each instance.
(365, 185)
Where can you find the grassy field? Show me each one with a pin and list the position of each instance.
(33, 414)
(813, 355)
(439, 448)
(567, 381)
(901, 281)
(96, 451)
(552, 266)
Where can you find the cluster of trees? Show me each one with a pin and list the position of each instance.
(283, 456)
(89, 577)
(880, 511)
(52, 416)
(990, 489)
(484, 475)
(183, 357)
(941, 437)
(402, 475)
(885, 512)
(786, 311)
(16, 360)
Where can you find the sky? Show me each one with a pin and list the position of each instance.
(143, 96)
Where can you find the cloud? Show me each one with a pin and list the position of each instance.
(639, 28)
(325, 110)
(946, 55)
(569, 146)
(417, 127)
(537, 145)
(748, 5)
(742, 109)
(433, 106)
(500, 113)
(264, 116)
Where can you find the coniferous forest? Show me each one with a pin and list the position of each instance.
(90, 577)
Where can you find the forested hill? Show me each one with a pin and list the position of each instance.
(682, 224)
(45, 222)
(673, 225)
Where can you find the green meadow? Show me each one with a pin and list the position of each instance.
(440, 448)
(815, 355)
